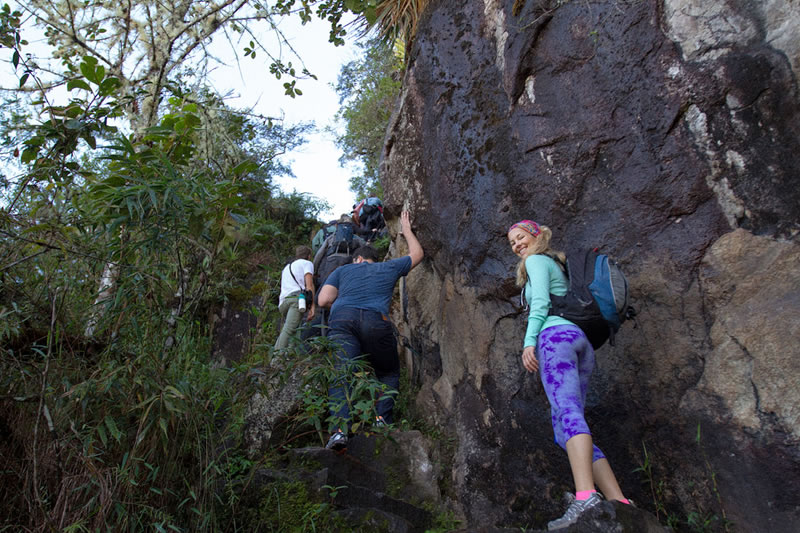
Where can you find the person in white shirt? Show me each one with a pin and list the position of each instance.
(300, 271)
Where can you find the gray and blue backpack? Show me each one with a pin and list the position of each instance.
(597, 299)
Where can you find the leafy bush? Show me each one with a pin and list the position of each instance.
(113, 414)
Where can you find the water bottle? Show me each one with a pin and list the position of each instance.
(301, 302)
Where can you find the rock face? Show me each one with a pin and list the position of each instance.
(667, 133)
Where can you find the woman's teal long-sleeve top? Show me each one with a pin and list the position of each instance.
(544, 277)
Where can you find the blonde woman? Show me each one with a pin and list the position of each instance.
(564, 356)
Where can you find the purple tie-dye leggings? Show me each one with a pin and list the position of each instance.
(566, 360)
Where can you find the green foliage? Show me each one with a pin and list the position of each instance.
(368, 89)
(381, 245)
(287, 506)
(151, 46)
(127, 436)
(321, 369)
(657, 488)
(333, 491)
(52, 146)
(330, 10)
(394, 19)
(699, 519)
(444, 521)
(118, 245)
(708, 520)
(10, 35)
(132, 427)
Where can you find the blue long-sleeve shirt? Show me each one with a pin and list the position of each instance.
(545, 277)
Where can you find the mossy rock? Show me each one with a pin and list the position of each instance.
(290, 506)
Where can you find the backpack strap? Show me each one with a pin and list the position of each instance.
(302, 285)
(579, 268)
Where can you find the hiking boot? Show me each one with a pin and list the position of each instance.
(337, 442)
(574, 511)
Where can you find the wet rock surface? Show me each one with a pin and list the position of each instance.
(670, 141)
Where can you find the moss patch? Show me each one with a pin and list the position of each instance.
(288, 506)
(240, 295)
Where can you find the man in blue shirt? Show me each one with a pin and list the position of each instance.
(359, 295)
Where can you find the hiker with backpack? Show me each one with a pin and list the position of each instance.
(368, 216)
(319, 237)
(564, 355)
(335, 251)
(359, 295)
(297, 294)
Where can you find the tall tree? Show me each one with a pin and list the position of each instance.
(129, 163)
(130, 434)
(121, 63)
(149, 44)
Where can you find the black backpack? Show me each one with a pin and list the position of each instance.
(342, 239)
(338, 253)
(597, 299)
(331, 263)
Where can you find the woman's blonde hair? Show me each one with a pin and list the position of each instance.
(541, 246)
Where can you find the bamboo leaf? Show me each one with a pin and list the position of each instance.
(153, 197)
(175, 392)
(112, 428)
(103, 437)
(29, 154)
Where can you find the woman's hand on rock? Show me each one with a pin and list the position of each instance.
(529, 359)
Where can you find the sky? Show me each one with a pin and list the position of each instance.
(315, 164)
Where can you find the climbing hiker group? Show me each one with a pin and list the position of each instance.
(346, 293)
(574, 303)
(331, 247)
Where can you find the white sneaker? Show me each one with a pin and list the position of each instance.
(574, 511)
(337, 442)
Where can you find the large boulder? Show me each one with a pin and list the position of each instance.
(666, 133)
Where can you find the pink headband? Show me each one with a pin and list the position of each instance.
(528, 225)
